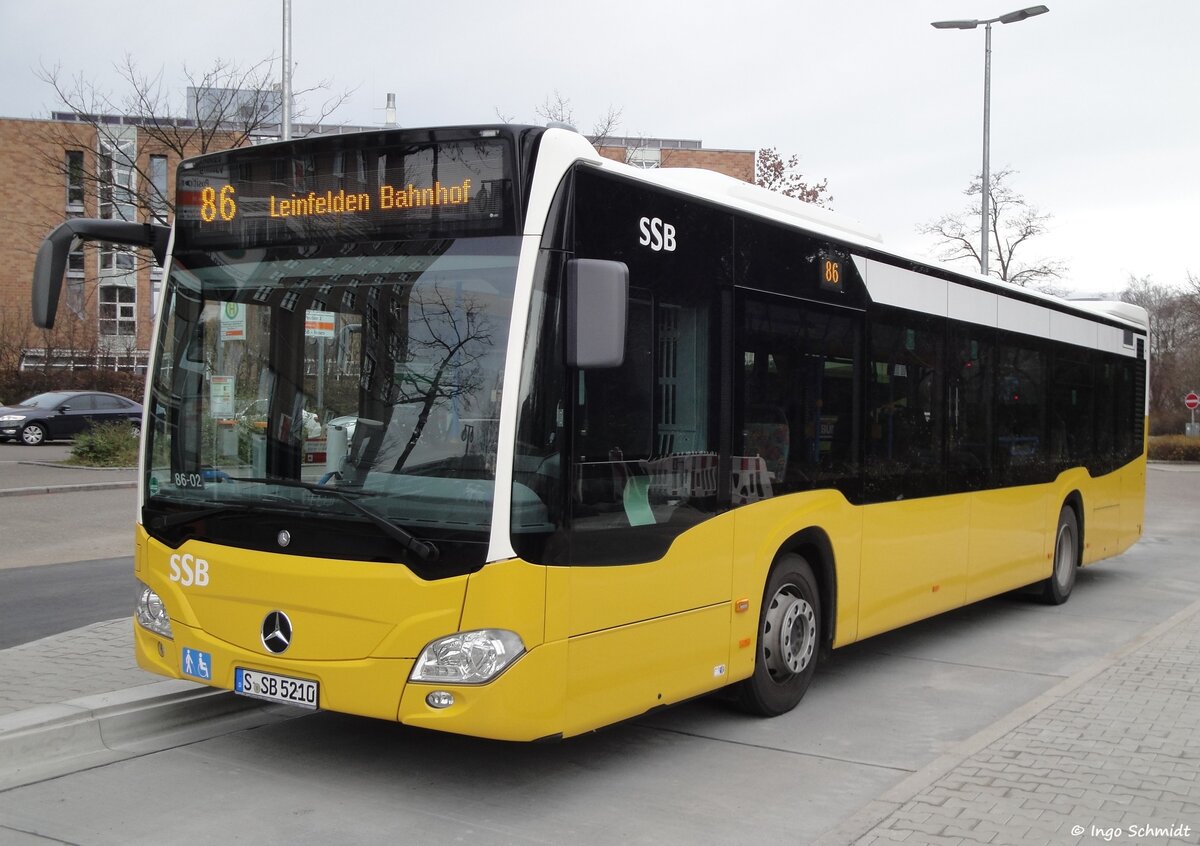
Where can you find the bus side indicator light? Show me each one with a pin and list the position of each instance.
(745, 642)
(741, 606)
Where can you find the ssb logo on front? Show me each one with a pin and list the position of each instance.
(657, 234)
(188, 570)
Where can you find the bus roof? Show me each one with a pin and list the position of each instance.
(734, 193)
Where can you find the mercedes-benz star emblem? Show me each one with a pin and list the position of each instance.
(284, 537)
(277, 632)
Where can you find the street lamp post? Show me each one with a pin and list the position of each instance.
(285, 119)
(1011, 17)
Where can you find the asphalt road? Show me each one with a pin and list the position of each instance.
(37, 602)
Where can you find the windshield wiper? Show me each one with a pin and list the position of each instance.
(424, 550)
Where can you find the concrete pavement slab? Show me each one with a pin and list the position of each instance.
(78, 699)
(24, 478)
(67, 525)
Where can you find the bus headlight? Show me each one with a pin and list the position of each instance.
(151, 614)
(468, 657)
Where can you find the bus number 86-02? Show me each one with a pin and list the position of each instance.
(212, 206)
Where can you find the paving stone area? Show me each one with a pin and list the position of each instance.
(1117, 760)
(94, 659)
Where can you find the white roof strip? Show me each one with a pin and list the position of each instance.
(896, 286)
(1023, 317)
(908, 289)
(972, 305)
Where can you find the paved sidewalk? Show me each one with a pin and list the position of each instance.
(51, 513)
(94, 659)
(40, 477)
(1111, 754)
(77, 700)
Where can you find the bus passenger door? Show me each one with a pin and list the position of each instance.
(648, 592)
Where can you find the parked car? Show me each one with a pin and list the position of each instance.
(64, 414)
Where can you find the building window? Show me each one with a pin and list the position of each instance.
(158, 189)
(74, 170)
(119, 258)
(155, 291)
(116, 195)
(75, 272)
(158, 214)
(646, 158)
(116, 179)
(118, 310)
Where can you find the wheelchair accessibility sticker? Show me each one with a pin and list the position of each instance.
(197, 663)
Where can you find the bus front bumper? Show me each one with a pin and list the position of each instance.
(525, 702)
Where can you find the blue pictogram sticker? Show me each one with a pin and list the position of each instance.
(197, 663)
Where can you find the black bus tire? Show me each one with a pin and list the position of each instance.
(1057, 589)
(789, 627)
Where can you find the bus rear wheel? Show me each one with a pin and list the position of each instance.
(1057, 589)
(789, 627)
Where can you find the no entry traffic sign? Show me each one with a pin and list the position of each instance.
(1192, 400)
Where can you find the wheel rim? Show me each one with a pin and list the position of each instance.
(789, 634)
(1064, 555)
(32, 435)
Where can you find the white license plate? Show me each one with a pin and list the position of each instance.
(273, 688)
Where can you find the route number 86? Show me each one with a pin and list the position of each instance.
(213, 205)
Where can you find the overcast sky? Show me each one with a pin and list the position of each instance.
(1096, 104)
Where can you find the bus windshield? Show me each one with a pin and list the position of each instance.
(368, 368)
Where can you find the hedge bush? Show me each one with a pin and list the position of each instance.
(106, 445)
(1174, 448)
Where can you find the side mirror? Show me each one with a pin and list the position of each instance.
(51, 260)
(597, 304)
(63, 409)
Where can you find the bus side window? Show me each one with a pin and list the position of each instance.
(905, 409)
(642, 445)
(970, 410)
(797, 407)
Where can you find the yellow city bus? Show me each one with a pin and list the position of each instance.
(473, 429)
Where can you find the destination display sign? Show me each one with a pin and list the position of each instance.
(340, 189)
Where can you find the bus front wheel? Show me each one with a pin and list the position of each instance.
(789, 627)
(1057, 589)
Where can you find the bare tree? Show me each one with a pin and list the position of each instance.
(454, 337)
(773, 172)
(233, 103)
(605, 134)
(557, 109)
(1013, 223)
(111, 152)
(1191, 301)
(1174, 338)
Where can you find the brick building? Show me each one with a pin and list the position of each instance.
(110, 167)
(674, 152)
